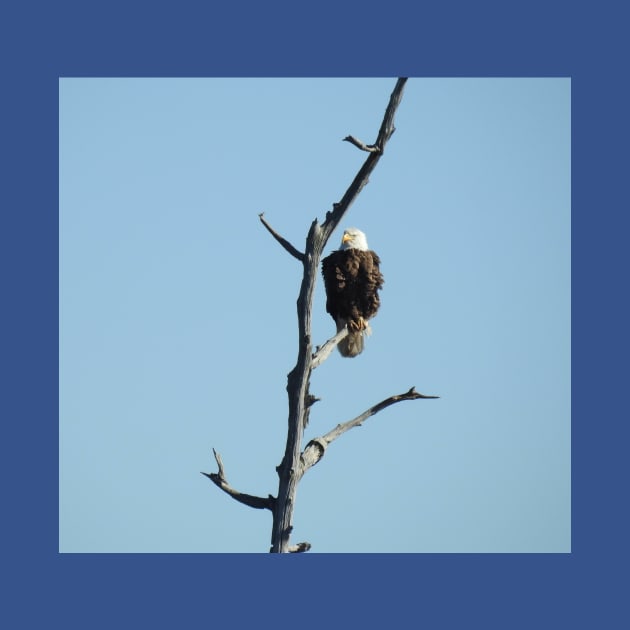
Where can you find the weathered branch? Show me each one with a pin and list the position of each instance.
(296, 253)
(316, 448)
(370, 148)
(323, 352)
(248, 499)
(384, 134)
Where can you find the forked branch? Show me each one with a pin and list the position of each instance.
(315, 449)
(376, 150)
(219, 479)
(340, 429)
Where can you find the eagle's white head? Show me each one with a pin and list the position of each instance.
(354, 239)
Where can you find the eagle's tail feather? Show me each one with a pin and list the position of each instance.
(352, 344)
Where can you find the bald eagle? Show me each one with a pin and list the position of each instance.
(352, 279)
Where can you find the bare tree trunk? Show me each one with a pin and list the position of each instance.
(298, 380)
(295, 463)
(298, 391)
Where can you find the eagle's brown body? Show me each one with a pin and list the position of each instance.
(352, 279)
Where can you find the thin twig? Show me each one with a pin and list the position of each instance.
(315, 449)
(323, 352)
(219, 479)
(296, 253)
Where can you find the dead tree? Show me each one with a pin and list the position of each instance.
(297, 461)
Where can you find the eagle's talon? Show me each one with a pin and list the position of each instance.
(358, 325)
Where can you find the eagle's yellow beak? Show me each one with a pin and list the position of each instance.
(346, 237)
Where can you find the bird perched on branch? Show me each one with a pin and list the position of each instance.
(352, 279)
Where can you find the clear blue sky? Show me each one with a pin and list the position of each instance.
(178, 327)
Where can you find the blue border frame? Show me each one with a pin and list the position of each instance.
(49, 40)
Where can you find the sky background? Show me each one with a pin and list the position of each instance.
(178, 322)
